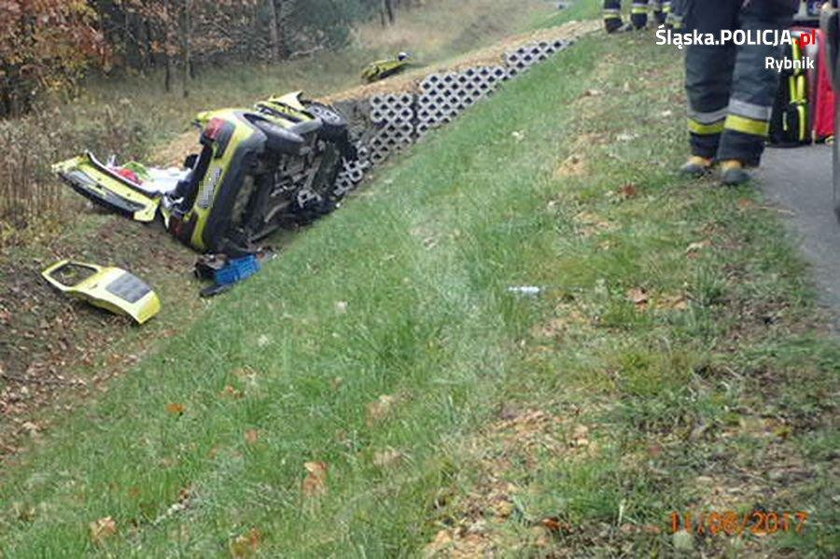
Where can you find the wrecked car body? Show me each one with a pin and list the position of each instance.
(258, 169)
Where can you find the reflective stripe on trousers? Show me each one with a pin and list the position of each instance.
(730, 80)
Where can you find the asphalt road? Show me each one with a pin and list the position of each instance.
(799, 181)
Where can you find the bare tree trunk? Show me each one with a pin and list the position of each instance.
(273, 38)
(284, 16)
(389, 9)
(187, 32)
(167, 37)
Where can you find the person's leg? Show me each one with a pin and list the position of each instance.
(708, 79)
(612, 15)
(639, 13)
(661, 9)
(753, 91)
(676, 12)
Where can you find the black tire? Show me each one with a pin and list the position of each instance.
(335, 125)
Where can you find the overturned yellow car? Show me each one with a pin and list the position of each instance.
(258, 169)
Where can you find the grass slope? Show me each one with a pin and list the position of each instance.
(672, 362)
(127, 117)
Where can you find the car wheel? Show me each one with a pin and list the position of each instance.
(334, 122)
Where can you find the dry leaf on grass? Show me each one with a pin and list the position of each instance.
(387, 458)
(698, 246)
(628, 191)
(252, 436)
(380, 409)
(315, 483)
(231, 392)
(185, 498)
(102, 529)
(443, 539)
(503, 508)
(570, 167)
(580, 435)
(672, 302)
(176, 409)
(247, 544)
(30, 427)
(592, 223)
(555, 525)
(247, 375)
(638, 296)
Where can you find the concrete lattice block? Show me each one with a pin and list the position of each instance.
(400, 119)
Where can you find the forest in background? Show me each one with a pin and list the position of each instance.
(113, 76)
(48, 46)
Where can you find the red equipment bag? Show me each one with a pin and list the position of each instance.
(822, 105)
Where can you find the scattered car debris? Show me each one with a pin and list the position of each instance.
(107, 287)
(525, 289)
(224, 271)
(382, 69)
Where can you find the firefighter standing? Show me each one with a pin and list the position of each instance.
(638, 14)
(730, 92)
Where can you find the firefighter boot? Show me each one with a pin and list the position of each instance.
(732, 173)
(696, 166)
(612, 16)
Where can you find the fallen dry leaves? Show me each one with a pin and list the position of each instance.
(697, 246)
(185, 499)
(567, 316)
(230, 391)
(628, 191)
(519, 439)
(580, 436)
(315, 483)
(572, 166)
(590, 224)
(176, 409)
(388, 458)
(674, 302)
(247, 544)
(638, 296)
(102, 529)
(380, 409)
(247, 375)
(252, 436)
(555, 525)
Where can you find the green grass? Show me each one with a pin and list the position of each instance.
(578, 11)
(714, 394)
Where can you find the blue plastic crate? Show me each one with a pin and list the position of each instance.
(237, 270)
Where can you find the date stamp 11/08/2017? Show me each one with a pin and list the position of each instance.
(732, 523)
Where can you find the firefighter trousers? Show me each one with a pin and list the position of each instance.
(638, 13)
(730, 90)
